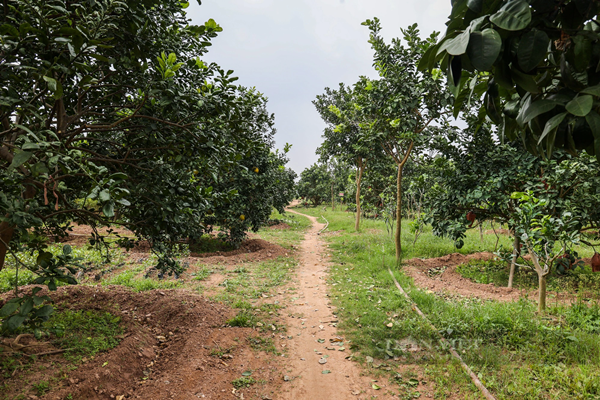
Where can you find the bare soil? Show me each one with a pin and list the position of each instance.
(450, 281)
(439, 275)
(167, 352)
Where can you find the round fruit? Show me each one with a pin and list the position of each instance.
(242, 217)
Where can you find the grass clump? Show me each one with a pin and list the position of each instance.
(244, 319)
(130, 279)
(85, 332)
(244, 381)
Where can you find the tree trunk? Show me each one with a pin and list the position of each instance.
(361, 168)
(513, 263)
(332, 198)
(542, 294)
(6, 233)
(397, 237)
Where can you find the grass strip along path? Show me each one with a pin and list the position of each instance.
(515, 352)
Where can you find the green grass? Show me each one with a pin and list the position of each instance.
(244, 381)
(496, 272)
(286, 237)
(130, 279)
(83, 333)
(517, 353)
(86, 333)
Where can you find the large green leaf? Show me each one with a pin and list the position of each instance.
(458, 45)
(532, 49)
(526, 82)
(534, 109)
(484, 48)
(595, 90)
(109, 209)
(513, 16)
(593, 120)
(8, 309)
(580, 105)
(552, 125)
(475, 5)
(20, 158)
(14, 322)
(582, 51)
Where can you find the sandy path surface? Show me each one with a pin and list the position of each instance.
(312, 320)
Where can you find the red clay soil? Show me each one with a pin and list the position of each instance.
(165, 352)
(280, 226)
(451, 281)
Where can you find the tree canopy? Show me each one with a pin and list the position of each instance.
(534, 62)
(110, 116)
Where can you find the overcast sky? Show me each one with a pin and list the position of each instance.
(290, 50)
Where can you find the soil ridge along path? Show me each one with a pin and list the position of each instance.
(318, 369)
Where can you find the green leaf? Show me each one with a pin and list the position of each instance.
(593, 120)
(484, 49)
(534, 109)
(20, 158)
(26, 307)
(513, 16)
(595, 90)
(44, 258)
(15, 322)
(532, 49)
(99, 57)
(109, 209)
(582, 51)
(580, 105)
(125, 202)
(119, 175)
(526, 82)
(458, 45)
(51, 83)
(475, 5)
(54, 86)
(52, 285)
(246, 373)
(45, 311)
(30, 146)
(8, 309)
(552, 125)
(104, 195)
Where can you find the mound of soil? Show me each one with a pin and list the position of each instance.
(439, 275)
(167, 351)
(250, 250)
(280, 226)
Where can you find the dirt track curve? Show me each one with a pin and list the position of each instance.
(312, 321)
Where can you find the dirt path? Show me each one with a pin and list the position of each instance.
(312, 326)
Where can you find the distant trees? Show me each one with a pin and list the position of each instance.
(343, 135)
(315, 184)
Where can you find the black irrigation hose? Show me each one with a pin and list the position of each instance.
(468, 370)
